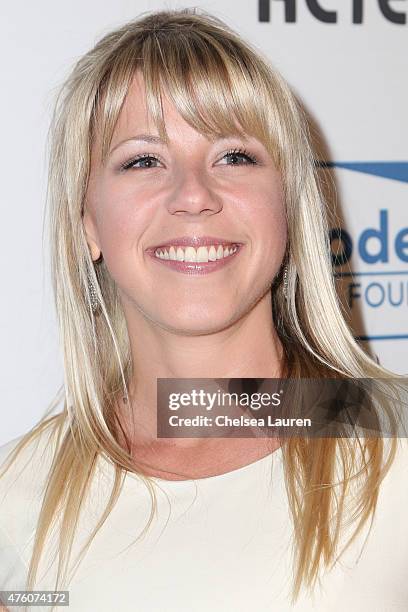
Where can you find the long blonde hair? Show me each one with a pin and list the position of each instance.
(215, 80)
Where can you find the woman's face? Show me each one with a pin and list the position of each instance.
(188, 188)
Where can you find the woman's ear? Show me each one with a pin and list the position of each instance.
(91, 234)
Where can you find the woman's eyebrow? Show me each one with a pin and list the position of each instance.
(151, 138)
(140, 138)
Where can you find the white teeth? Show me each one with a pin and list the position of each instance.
(190, 254)
(212, 253)
(203, 254)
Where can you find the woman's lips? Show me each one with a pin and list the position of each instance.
(199, 267)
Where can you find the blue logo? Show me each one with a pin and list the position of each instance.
(396, 171)
(385, 289)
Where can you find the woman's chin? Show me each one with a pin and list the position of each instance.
(198, 323)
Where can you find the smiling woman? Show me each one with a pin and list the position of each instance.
(190, 240)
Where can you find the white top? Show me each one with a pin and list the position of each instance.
(226, 546)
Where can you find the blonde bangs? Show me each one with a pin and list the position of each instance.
(210, 82)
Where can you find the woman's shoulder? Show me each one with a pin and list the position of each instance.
(25, 462)
(398, 472)
(393, 493)
(26, 455)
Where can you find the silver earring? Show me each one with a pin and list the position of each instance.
(93, 295)
(95, 306)
(285, 282)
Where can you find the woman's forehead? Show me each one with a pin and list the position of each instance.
(135, 109)
(135, 119)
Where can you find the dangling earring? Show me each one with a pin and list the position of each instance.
(92, 291)
(285, 282)
(92, 295)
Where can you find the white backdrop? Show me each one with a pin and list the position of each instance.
(351, 78)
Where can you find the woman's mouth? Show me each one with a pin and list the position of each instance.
(196, 259)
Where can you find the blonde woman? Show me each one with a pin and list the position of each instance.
(173, 140)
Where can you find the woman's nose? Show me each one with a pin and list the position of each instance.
(193, 193)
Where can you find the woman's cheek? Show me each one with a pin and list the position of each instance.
(117, 212)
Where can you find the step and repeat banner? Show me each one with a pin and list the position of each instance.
(347, 62)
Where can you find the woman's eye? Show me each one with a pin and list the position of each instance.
(236, 156)
(143, 161)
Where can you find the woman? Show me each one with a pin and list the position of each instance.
(189, 240)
